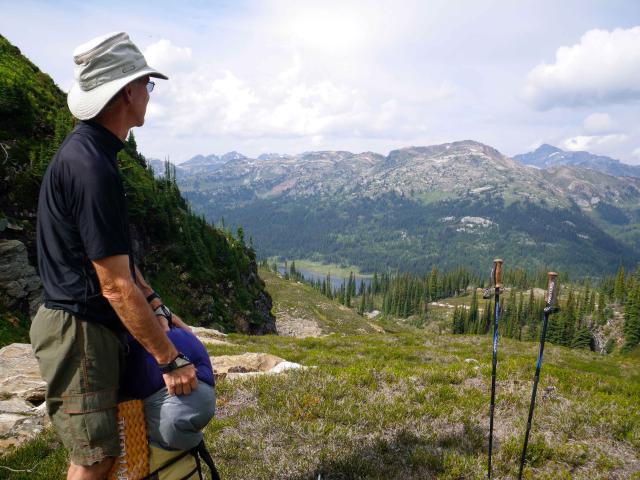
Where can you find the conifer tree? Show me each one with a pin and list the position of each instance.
(619, 288)
(433, 284)
(582, 337)
(568, 320)
(631, 329)
(554, 330)
(472, 317)
(600, 308)
(459, 319)
(487, 318)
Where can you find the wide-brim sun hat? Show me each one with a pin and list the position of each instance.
(104, 65)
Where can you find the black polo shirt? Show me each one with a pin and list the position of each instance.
(82, 216)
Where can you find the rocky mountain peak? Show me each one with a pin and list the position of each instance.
(547, 156)
(233, 155)
(201, 160)
(546, 149)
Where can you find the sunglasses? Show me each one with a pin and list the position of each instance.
(150, 86)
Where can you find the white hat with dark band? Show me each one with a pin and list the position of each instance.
(104, 66)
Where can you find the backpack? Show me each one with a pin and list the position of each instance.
(181, 465)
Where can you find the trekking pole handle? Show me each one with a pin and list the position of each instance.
(496, 273)
(552, 289)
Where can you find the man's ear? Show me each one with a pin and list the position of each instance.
(127, 94)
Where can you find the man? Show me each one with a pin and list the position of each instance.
(93, 292)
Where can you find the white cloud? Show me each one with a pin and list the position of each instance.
(603, 68)
(598, 123)
(594, 143)
(202, 99)
(167, 57)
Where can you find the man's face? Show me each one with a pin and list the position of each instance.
(140, 100)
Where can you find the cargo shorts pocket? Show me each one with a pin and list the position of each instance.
(92, 422)
(92, 416)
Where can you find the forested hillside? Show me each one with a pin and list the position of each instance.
(454, 204)
(206, 274)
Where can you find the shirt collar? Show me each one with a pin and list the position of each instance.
(104, 136)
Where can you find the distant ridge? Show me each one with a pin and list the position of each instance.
(549, 156)
(447, 204)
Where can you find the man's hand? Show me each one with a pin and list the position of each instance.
(182, 381)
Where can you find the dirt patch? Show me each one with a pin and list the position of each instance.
(289, 326)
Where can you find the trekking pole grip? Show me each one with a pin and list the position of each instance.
(497, 272)
(552, 289)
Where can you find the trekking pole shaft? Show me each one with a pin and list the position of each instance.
(494, 363)
(495, 278)
(533, 394)
(550, 301)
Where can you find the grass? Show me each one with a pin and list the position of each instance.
(405, 404)
(409, 405)
(295, 301)
(337, 271)
(13, 329)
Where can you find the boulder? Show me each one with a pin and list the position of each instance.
(247, 362)
(210, 335)
(20, 285)
(250, 365)
(22, 415)
(19, 374)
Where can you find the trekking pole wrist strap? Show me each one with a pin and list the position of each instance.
(180, 361)
(151, 297)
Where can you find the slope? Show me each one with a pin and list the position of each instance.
(412, 406)
(301, 311)
(207, 275)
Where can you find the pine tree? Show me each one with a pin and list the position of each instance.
(631, 329)
(568, 321)
(459, 319)
(619, 288)
(472, 317)
(582, 337)
(433, 284)
(600, 308)
(363, 303)
(487, 318)
(554, 330)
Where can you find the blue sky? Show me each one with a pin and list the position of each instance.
(291, 76)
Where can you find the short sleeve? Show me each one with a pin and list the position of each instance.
(100, 212)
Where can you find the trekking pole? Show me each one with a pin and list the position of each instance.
(549, 308)
(495, 280)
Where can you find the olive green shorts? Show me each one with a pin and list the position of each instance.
(81, 362)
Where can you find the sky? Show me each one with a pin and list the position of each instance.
(292, 76)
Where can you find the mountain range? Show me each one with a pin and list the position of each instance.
(456, 203)
(549, 156)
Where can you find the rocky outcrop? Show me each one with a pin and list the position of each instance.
(20, 285)
(250, 364)
(611, 332)
(289, 326)
(210, 335)
(22, 408)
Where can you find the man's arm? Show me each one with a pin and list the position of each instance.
(131, 306)
(156, 302)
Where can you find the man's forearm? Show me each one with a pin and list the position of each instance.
(131, 306)
(146, 288)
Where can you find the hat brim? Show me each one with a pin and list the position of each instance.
(86, 104)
